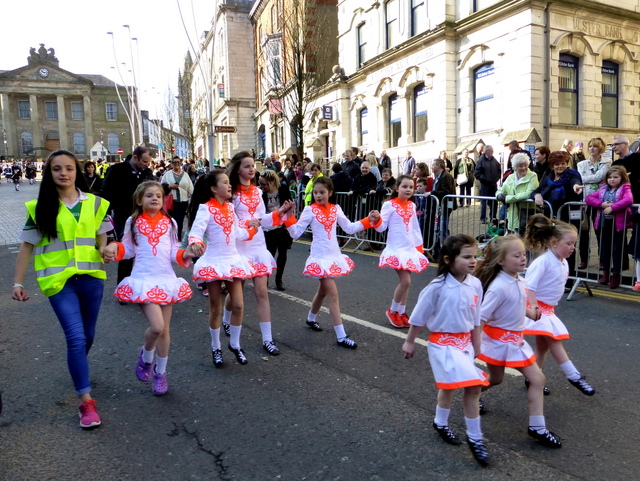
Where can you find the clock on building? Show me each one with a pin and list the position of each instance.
(43, 72)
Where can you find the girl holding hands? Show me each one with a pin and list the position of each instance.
(326, 261)
(404, 250)
(546, 277)
(66, 232)
(150, 236)
(450, 308)
(503, 317)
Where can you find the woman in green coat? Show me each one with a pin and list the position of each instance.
(515, 191)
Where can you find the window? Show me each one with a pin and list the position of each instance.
(77, 112)
(112, 111)
(113, 142)
(363, 127)
(609, 94)
(78, 143)
(568, 95)
(395, 122)
(24, 109)
(391, 19)
(483, 87)
(27, 142)
(51, 110)
(420, 125)
(274, 62)
(362, 44)
(418, 16)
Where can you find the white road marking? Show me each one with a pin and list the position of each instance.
(376, 327)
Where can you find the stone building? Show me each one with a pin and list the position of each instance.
(222, 88)
(427, 76)
(44, 107)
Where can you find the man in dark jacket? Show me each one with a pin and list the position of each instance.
(119, 185)
(443, 185)
(341, 180)
(487, 171)
(349, 165)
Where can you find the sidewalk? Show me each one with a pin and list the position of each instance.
(14, 213)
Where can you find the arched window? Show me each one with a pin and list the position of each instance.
(27, 142)
(484, 104)
(568, 86)
(113, 142)
(78, 143)
(363, 127)
(609, 94)
(395, 120)
(420, 124)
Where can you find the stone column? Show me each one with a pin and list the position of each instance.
(8, 124)
(62, 125)
(36, 130)
(88, 122)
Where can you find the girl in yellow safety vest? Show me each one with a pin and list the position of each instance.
(66, 232)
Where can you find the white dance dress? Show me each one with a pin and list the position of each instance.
(451, 310)
(326, 260)
(504, 312)
(546, 276)
(248, 205)
(221, 259)
(404, 249)
(152, 279)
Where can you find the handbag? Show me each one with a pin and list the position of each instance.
(462, 179)
(168, 202)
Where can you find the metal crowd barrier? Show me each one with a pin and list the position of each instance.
(605, 247)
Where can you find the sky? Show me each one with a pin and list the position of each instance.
(77, 30)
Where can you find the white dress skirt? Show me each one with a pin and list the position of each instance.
(548, 325)
(501, 347)
(452, 361)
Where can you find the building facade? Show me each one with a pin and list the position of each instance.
(425, 76)
(44, 108)
(222, 88)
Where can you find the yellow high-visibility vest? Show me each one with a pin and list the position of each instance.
(74, 250)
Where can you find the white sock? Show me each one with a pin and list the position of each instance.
(474, 433)
(395, 306)
(537, 423)
(570, 371)
(442, 416)
(340, 334)
(161, 366)
(637, 271)
(265, 328)
(402, 308)
(226, 316)
(311, 317)
(215, 338)
(235, 337)
(147, 356)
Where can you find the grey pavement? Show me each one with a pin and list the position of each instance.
(317, 411)
(12, 209)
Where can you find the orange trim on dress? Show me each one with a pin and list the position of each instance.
(504, 335)
(250, 197)
(403, 209)
(326, 215)
(459, 340)
(498, 362)
(180, 258)
(546, 309)
(449, 386)
(121, 250)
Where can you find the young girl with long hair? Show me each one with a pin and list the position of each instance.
(66, 234)
(150, 236)
(248, 206)
(613, 216)
(214, 215)
(325, 261)
(503, 319)
(546, 277)
(450, 308)
(403, 251)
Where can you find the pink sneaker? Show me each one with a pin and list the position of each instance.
(89, 415)
(636, 286)
(159, 383)
(394, 319)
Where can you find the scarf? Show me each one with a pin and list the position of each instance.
(558, 191)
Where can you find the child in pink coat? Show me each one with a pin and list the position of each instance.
(612, 200)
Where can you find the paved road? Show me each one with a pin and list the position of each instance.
(316, 412)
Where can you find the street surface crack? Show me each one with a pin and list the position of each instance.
(218, 457)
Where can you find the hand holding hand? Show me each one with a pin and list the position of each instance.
(197, 249)
(607, 211)
(109, 253)
(374, 216)
(255, 223)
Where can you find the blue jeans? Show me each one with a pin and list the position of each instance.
(77, 306)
